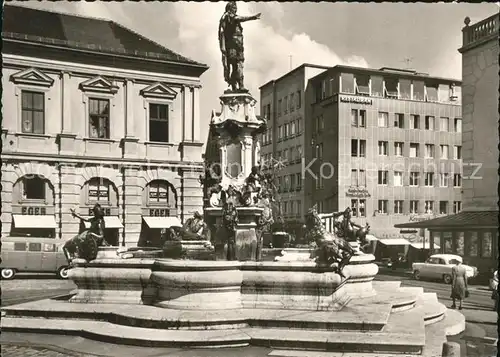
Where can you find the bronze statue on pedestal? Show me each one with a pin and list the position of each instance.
(231, 45)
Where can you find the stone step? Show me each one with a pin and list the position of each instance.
(386, 285)
(359, 318)
(435, 334)
(400, 300)
(335, 341)
(297, 353)
(434, 311)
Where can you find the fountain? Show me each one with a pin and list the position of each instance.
(226, 297)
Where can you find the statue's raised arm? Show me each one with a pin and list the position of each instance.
(231, 46)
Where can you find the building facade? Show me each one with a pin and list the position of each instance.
(282, 103)
(95, 113)
(387, 143)
(473, 233)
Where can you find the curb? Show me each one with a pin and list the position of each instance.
(482, 322)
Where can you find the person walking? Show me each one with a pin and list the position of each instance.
(459, 289)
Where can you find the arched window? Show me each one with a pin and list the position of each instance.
(34, 188)
(161, 192)
(98, 189)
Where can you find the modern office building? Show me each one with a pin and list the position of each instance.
(95, 113)
(282, 103)
(385, 142)
(473, 233)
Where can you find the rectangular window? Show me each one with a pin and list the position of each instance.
(414, 150)
(299, 99)
(383, 119)
(443, 179)
(405, 89)
(298, 152)
(34, 188)
(362, 178)
(362, 118)
(33, 112)
(354, 178)
(98, 190)
(398, 207)
(448, 242)
(429, 151)
(383, 148)
(377, 84)
(431, 92)
(399, 121)
(362, 84)
(418, 90)
(285, 104)
(279, 107)
(320, 151)
(382, 206)
(486, 245)
(413, 207)
(443, 207)
(444, 124)
(457, 125)
(354, 147)
(285, 131)
(472, 243)
(391, 88)
(414, 121)
(457, 152)
(299, 126)
(354, 117)
(347, 83)
(444, 93)
(429, 179)
(362, 148)
(158, 123)
(444, 151)
(460, 243)
(292, 102)
(398, 178)
(362, 208)
(429, 207)
(457, 180)
(457, 207)
(298, 179)
(429, 122)
(158, 192)
(382, 177)
(398, 148)
(354, 208)
(99, 118)
(414, 179)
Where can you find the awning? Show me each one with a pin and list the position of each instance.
(109, 222)
(162, 222)
(427, 245)
(29, 221)
(463, 220)
(395, 241)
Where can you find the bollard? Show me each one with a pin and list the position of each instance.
(451, 349)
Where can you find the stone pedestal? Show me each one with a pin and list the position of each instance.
(189, 249)
(110, 252)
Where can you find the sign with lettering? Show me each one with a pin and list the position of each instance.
(357, 192)
(106, 211)
(159, 212)
(356, 100)
(34, 211)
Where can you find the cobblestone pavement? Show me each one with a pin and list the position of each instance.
(24, 351)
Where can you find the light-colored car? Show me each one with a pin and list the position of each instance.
(438, 266)
(494, 289)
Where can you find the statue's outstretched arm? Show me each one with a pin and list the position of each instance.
(247, 18)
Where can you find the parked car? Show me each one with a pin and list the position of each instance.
(32, 255)
(494, 288)
(438, 266)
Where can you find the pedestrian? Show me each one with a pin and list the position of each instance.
(459, 289)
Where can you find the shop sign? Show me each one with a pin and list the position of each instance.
(357, 192)
(159, 212)
(356, 100)
(106, 211)
(34, 211)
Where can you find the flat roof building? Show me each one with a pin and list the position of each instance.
(95, 113)
(385, 142)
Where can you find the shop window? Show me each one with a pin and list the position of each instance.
(391, 88)
(448, 242)
(436, 236)
(404, 89)
(362, 84)
(33, 112)
(471, 247)
(33, 232)
(377, 84)
(34, 188)
(347, 83)
(158, 123)
(418, 90)
(160, 192)
(98, 189)
(460, 243)
(486, 245)
(99, 118)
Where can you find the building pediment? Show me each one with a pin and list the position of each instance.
(32, 76)
(98, 84)
(160, 91)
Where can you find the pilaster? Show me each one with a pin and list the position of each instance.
(8, 178)
(196, 114)
(66, 103)
(192, 199)
(187, 114)
(132, 215)
(129, 109)
(68, 198)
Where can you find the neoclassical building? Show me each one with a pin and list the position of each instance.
(95, 113)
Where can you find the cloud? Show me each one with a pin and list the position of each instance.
(267, 50)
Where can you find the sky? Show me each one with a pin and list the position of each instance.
(291, 33)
